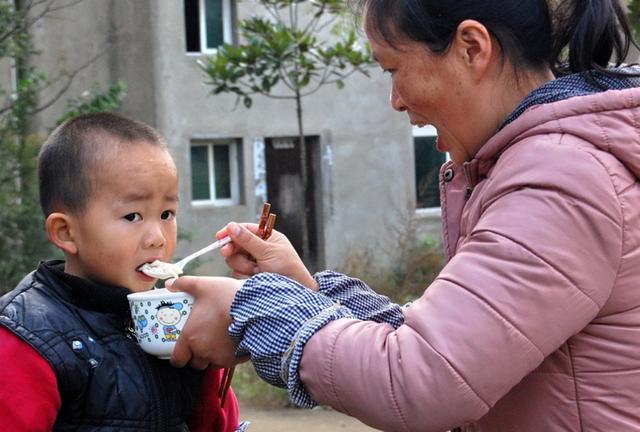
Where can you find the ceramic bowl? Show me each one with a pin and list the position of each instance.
(158, 316)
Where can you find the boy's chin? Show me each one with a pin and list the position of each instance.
(142, 288)
(144, 282)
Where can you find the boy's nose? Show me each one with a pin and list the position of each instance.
(154, 237)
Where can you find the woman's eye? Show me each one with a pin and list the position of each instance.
(133, 217)
(168, 215)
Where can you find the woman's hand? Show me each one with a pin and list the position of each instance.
(248, 254)
(204, 341)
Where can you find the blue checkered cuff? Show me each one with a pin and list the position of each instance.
(273, 318)
(362, 301)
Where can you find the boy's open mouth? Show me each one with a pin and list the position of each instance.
(160, 270)
(139, 268)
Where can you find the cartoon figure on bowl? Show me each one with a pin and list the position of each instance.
(141, 322)
(168, 316)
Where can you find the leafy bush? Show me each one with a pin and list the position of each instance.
(252, 390)
(418, 264)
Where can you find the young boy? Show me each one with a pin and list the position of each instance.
(109, 192)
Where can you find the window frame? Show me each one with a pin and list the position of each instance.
(227, 23)
(227, 27)
(427, 131)
(234, 172)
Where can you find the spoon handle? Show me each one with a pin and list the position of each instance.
(213, 246)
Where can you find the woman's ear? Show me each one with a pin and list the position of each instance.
(475, 46)
(60, 230)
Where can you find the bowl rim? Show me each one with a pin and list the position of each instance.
(158, 294)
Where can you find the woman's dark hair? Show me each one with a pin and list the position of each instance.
(67, 160)
(593, 30)
(531, 33)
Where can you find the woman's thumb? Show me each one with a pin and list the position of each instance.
(185, 284)
(245, 239)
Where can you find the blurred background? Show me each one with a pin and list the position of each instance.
(266, 100)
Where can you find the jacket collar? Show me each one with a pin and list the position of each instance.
(608, 120)
(84, 293)
(573, 104)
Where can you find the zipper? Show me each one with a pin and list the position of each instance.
(155, 384)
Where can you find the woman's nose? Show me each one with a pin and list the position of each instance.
(396, 101)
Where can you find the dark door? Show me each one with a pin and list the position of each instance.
(285, 191)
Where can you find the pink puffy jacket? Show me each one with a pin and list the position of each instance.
(534, 323)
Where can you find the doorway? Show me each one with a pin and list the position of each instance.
(285, 192)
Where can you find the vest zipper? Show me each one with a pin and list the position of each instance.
(163, 420)
(154, 380)
(156, 384)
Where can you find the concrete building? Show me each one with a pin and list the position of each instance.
(361, 153)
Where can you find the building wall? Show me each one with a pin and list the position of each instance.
(100, 42)
(367, 184)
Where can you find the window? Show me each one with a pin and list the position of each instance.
(208, 24)
(427, 163)
(215, 170)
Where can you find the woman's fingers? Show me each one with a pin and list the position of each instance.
(199, 363)
(248, 254)
(242, 264)
(181, 354)
(243, 237)
(204, 340)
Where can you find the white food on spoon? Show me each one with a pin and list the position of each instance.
(164, 270)
(161, 270)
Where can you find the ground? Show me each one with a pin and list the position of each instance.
(294, 420)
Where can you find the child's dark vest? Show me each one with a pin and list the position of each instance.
(106, 381)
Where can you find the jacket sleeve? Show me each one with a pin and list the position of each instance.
(29, 398)
(534, 270)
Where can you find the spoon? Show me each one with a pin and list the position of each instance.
(164, 270)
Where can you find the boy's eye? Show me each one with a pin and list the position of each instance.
(168, 215)
(133, 217)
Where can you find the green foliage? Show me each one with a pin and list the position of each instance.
(23, 242)
(96, 100)
(418, 265)
(281, 50)
(22, 239)
(14, 38)
(285, 55)
(251, 389)
(634, 16)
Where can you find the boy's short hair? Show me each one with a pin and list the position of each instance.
(67, 160)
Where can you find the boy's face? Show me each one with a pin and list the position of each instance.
(130, 218)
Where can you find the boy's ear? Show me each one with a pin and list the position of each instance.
(60, 230)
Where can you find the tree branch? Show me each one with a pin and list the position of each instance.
(70, 76)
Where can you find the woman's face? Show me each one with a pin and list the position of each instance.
(432, 89)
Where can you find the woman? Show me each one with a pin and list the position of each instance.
(534, 323)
